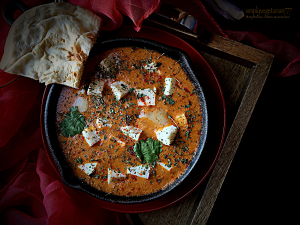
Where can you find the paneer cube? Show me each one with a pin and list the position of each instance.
(145, 97)
(167, 134)
(140, 171)
(157, 116)
(167, 167)
(96, 88)
(114, 176)
(132, 132)
(81, 103)
(181, 120)
(120, 89)
(169, 86)
(88, 168)
(90, 136)
(102, 122)
(151, 67)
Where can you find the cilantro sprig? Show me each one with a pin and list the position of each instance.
(73, 124)
(148, 151)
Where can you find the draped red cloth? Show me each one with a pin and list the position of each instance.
(31, 192)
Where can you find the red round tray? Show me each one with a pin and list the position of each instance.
(216, 125)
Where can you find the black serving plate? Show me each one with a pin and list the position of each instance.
(50, 130)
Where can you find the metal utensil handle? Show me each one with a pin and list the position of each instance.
(11, 7)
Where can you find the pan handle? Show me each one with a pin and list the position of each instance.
(9, 9)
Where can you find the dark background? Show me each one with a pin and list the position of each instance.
(262, 186)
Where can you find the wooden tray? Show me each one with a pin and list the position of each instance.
(241, 71)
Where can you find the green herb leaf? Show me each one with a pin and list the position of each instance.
(138, 151)
(155, 146)
(148, 151)
(73, 124)
(79, 160)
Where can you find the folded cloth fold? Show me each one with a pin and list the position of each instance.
(38, 196)
(30, 190)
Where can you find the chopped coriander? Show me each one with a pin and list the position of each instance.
(79, 160)
(73, 124)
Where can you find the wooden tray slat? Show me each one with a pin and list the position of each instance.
(259, 74)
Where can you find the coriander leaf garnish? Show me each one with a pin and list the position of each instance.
(138, 151)
(73, 124)
(155, 146)
(148, 151)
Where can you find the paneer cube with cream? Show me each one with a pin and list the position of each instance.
(90, 136)
(120, 89)
(152, 67)
(181, 120)
(167, 134)
(157, 116)
(169, 86)
(81, 103)
(145, 97)
(132, 132)
(113, 175)
(88, 168)
(140, 171)
(96, 88)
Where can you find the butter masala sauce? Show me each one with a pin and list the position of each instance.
(115, 150)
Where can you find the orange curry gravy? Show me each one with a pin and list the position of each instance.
(109, 152)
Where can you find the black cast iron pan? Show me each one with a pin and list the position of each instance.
(10, 8)
(51, 103)
(50, 129)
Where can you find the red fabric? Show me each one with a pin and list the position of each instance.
(287, 56)
(30, 190)
(111, 11)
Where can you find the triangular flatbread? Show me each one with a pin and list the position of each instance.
(51, 43)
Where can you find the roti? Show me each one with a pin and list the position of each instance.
(51, 43)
